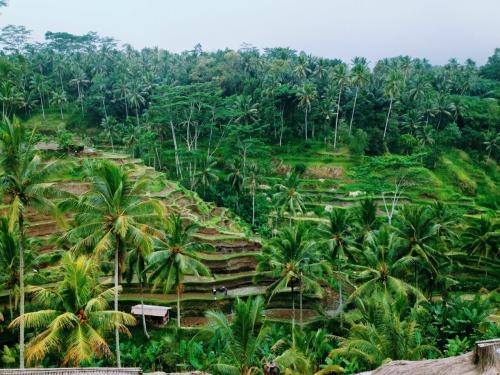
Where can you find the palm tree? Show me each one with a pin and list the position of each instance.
(175, 257)
(307, 94)
(113, 216)
(480, 237)
(307, 353)
(426, 135)
(443, 107)
(109, 125)
(386, 331)
(39, 83)
(340, 78)
(392, 88)
(252, 181)
(288, 196)
(417, 227)
(335, 236)
(360, 77)
(135, 266)
(206, 174)
(383, 266)
(75, 315)
(80, 80)
(366, 215)
(9, 261)
(247, 111)
(292, 260)
(302, 69)
(241, 336)
(59, 98)
(26, 181)
(235, 178)
(492, 142)
(136, 97)
(121, 91)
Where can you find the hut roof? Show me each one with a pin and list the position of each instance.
(462, 364)
(150, 310)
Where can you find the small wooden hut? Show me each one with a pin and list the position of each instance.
(154, 314)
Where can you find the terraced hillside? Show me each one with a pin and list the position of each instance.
(338, 179)
(232, 264)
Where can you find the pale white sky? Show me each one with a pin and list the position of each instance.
(435, 29)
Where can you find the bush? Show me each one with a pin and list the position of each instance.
(457, 319)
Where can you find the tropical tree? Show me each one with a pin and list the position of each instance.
(176, 255)
(392, 88)
(383, 266)
(75, 316)
(113, 216)
(307, 354)
(241, 336)
(366, 215)
(59, 98)
(307, 94)
(135, 266)
(206, 174)
(288, 196)
(443, 107)
(252, 180)
(383, 329)
(340, 76)
(9, 261)
(336, 237)
(417, 227)
(39, 83)
(136, 97)
(360, 77)
(246, 111)
(235, 178)
(492, 142)
(80, 80)
(293, 261)
(26, 181)
(481, 237)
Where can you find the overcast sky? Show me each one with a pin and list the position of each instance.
(434, 29)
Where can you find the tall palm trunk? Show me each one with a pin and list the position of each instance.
(41, 102)
(337, 122)
(117, 331)
(300, 290)
(293, 308)
(104, 107)
(144, 328)
(341, 306)
(305, 121)
(177, 160)
(179, 306)
(253, 206)
(353, 108)
(387, 120)
(21, 290)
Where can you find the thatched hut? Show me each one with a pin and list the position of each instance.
(484, 360)
(155, 314)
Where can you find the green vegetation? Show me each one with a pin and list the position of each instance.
(370, 196)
